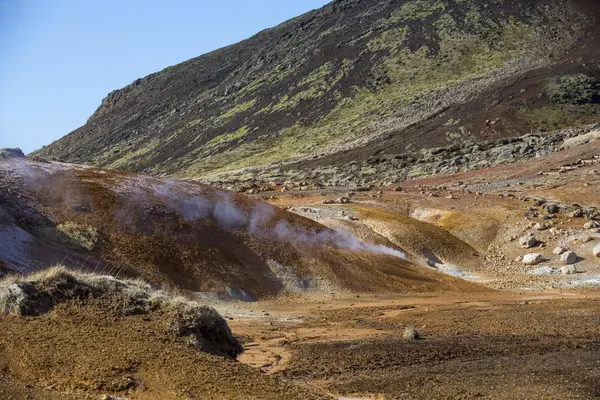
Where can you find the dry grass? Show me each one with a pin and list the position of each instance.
(410, 333)
(40, 292)
(83, 235)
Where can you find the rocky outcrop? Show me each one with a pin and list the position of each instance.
(11, 153)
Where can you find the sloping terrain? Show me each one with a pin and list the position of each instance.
(483, 222)
(188, 236)
(354, 79)
(71, 335)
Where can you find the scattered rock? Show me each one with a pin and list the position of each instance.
(591, 225)
(532, 259)
(540, 226)
(578, 213)
(568, 257)
(544, 271)
(527, 241)
(559, 250)
(568, 270)
(343, 200)
(596, 250)
(551, 208)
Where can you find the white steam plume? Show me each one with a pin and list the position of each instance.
(259, 222)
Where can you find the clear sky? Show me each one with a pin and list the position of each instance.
(60, 58)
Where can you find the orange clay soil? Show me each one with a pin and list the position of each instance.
(142, 232)
(492, 346)
(87, 350)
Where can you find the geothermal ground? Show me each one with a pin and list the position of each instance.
(483, 284)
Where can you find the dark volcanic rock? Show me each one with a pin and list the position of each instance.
(356, 80)
(11, 153)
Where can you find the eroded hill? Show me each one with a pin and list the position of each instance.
(192, 237)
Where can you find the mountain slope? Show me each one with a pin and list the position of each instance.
(352, 79)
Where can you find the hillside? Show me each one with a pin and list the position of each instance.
(354, 79)
(193, 237)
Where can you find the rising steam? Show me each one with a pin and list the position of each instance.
(260, 221)
(183, 198)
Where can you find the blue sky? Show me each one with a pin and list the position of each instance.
(60, 58)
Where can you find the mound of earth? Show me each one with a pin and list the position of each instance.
(187, 236)
(73, 335)
(350, 81)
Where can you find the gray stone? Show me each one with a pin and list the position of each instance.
(532, 259)
(577, 213)
(568, 257)
(559, 250)
(527, 241)
(505, 155)
(568, 270)
(551, 208)
(596, 250)
(591, 225)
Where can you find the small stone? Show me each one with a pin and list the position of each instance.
(591, 225)
(540, 226)
(568, 257)
(568, 270)
(559, 250)
(551, 208)
(577, 213)
(532, 259)
(596, 250)
(527, 241)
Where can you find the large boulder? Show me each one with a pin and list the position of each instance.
(11, 153)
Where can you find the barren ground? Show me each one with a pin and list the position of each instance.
(511, 333)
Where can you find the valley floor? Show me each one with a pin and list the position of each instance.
(527, 332)
(501, 345)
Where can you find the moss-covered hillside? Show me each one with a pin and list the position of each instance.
(354, 79)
